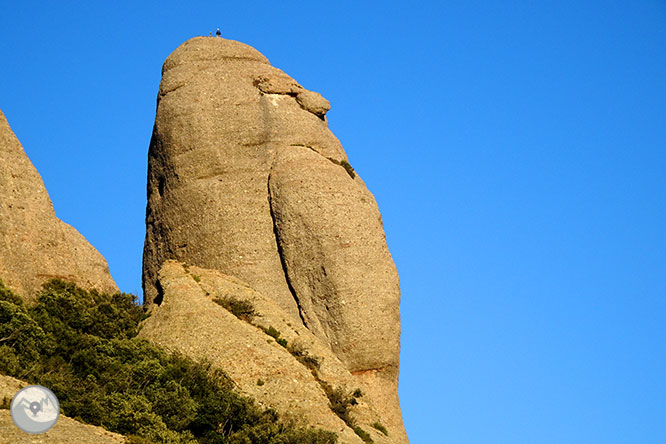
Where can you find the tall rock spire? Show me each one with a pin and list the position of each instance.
(37, 246)
(245, 177)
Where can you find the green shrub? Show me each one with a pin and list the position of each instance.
(133, 439)
(196, 278)
(276, 433)
(240, 308)
(272, 332)
(365, 436)
(344, 164)
(311, 362)
(348, 168)
(83, 346)
(9, 361)
(340, 402)
(260, 382)
(7, 295)
(23, 339)
(379, 426)
(275, 334)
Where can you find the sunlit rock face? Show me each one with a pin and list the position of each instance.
(36, 245)
(246, 178)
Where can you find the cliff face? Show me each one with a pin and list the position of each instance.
(36, 245)
(245, 178)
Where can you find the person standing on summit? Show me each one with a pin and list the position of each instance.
(218, 33)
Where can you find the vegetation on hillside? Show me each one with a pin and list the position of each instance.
(240, 308)
(83, 346)
(340, 400)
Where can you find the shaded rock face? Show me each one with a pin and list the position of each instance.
(245, 177)
(36, 245)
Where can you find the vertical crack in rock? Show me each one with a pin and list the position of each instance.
(281, 253)
(160, 293)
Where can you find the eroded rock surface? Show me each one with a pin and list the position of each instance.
(245, 177)
(190, 321)
(330, 236)
(36, 245)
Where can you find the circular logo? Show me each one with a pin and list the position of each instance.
(34, 409)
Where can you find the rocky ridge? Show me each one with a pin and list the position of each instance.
(290, 373)
(37, 246)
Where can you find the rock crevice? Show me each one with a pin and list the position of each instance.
(282, 260)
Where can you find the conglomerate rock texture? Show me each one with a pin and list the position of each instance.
(189, 321)
(244, 177)
(36, 245)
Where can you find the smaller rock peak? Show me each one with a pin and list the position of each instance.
(212, 49)
(4, 125)
(37, 246)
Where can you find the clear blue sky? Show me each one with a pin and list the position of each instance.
(517, 150)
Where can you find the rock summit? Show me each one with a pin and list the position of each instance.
(245, 179)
